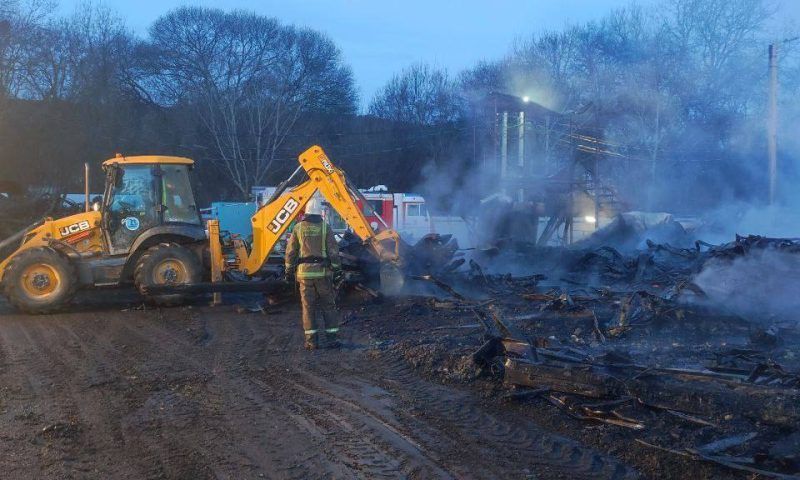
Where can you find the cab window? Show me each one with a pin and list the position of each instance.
(416, 210)
(132, 205)
(176, 195)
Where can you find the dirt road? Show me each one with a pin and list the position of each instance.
(211, 393)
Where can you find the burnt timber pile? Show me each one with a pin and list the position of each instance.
(629, 341)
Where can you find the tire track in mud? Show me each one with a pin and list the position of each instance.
(117, 351)
(51, 361)
(434, 427)
(245, 432)
(198, 393)
(253, 429)
(388, 441)
(364, 442)
(233, 423)
(87, 364)
(327, 442)
(354, 438)
(236, 422)
(517, 443)
(345, 440)
(25, 396)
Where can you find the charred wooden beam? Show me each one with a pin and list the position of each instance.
(587, 381)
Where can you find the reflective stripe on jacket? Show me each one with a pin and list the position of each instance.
(312, 251)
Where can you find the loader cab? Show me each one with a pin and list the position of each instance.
(146, 196)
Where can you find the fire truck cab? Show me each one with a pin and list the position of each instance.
(406, 213)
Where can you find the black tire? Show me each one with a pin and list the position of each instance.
(39, 280)
(182, 267)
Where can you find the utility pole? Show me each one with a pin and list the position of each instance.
(772, 122)
(503, 147)
(87, 201)
(521, 155)
(521, 141)
(772, 118)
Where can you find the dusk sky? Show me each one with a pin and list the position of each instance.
(381, 37)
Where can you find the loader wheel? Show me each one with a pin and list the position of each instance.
(39, 280)
(167, 264)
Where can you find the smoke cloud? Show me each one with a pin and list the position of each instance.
(762, 285)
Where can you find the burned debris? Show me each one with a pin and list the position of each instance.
(631, 342)
(739, 390)
(433, 254)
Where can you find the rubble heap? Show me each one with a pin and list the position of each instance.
(630, 341)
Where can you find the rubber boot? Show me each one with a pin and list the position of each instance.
(312, 341)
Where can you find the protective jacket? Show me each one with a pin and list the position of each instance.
(312, 251)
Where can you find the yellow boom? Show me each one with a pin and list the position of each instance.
(271, 221)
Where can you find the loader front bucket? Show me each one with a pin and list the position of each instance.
(12, 243)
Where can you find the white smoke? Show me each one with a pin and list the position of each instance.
(764, 284)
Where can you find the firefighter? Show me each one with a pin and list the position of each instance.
(312, 257)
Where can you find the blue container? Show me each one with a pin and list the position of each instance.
(233, 217)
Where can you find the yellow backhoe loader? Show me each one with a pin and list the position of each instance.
(148, 232)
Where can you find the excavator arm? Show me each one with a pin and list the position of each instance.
(271, 221)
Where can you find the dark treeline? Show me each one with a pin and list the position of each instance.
(678, 92)
(234, 90)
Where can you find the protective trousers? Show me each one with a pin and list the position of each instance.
(318, 299)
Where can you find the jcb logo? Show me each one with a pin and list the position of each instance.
(326, 163)
(283, 215)
(75, 228)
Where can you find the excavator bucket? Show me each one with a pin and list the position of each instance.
(434, 254)
(392, 279)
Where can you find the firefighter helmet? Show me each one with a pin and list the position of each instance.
(314, 207)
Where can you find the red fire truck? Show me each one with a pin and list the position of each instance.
(404, 212)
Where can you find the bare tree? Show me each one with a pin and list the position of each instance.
(715, 45)
(20, 21)
(249, 79)
(420, 95)
(81, 58)
(51, 58)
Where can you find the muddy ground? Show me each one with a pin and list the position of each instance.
(111, 390)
